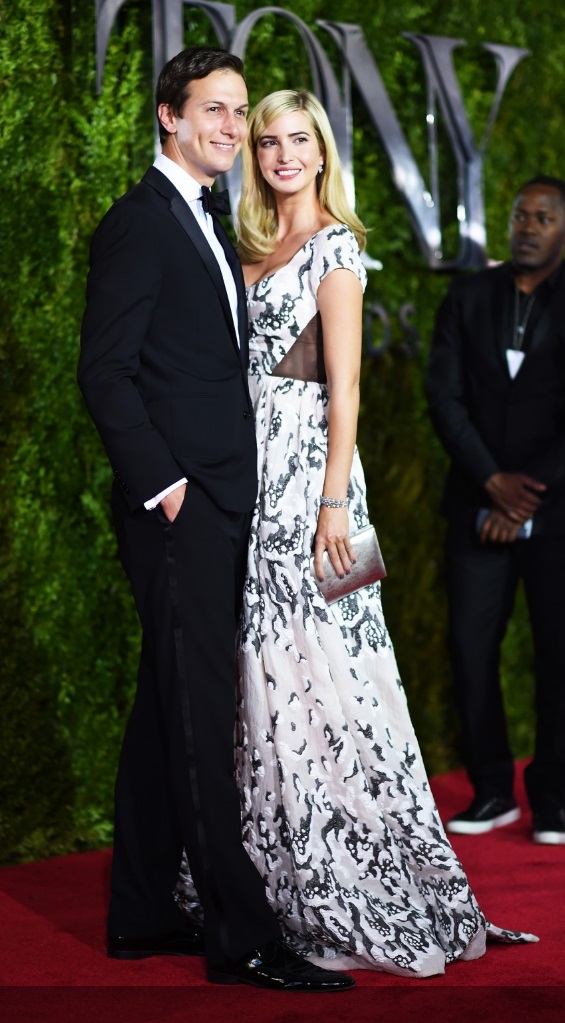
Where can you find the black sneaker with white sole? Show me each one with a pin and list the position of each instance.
(484, 814)
(549, 828)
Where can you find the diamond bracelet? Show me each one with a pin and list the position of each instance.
(333, 502)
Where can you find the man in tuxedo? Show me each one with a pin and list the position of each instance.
(163, 373)
(496, 390)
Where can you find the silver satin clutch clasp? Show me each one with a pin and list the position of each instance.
(368, 568)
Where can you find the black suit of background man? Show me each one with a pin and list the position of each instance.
(496, 389)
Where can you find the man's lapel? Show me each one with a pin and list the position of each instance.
(235, 267)
(181, 211)
(549, 328)
(502, 291)
(550, 322)
(188, 221)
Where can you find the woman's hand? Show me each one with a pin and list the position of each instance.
(332, 535)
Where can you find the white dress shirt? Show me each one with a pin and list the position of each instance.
(191, 192)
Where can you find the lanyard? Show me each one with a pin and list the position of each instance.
(520, 328)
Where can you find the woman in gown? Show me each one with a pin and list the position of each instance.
(337, 811)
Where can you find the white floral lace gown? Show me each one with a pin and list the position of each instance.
(337, 811)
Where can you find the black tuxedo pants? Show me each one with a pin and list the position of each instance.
(175, 786)
(482, 583)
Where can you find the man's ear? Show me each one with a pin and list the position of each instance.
(167, 118)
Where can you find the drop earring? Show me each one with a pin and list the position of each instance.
(320, 168)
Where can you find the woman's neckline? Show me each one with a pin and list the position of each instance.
(273, 273)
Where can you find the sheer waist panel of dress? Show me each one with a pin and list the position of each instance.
(305, 360)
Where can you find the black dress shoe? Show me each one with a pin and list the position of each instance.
(277, 967)
(484, 815)
(176, 943)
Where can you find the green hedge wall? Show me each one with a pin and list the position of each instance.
(69, 637)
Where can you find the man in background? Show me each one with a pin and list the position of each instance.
(496, 391)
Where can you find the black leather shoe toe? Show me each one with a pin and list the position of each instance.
(176, 943)
(277, 967)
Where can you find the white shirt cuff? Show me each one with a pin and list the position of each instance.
(154, 501)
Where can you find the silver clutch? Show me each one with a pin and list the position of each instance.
(368, 568)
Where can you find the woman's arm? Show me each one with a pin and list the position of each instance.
(340, 301)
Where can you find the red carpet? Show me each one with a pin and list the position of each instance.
(53, 968)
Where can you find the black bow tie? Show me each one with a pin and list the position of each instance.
(215, 202)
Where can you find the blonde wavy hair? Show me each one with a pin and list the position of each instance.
(257, 213)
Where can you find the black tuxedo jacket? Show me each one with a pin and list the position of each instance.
(160, 368)
(487, 421)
